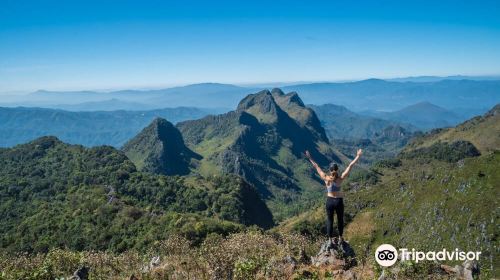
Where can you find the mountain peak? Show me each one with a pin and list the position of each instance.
(161, 123)
(261, 105)
(160, 148)
(260, 98)
(294, 98)
(277, 91)
(424, 105)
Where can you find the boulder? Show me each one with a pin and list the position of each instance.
(80, 274)
(153, 263)
(336, 256)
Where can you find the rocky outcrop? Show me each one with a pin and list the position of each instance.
(80, 274)
(339, 256)
(469, 270)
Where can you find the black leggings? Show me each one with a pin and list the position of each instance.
(337, 205)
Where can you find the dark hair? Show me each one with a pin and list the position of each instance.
(334, 168)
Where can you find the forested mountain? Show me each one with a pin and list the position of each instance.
(159, 148)
(54, 194)
(20, 125)
(437, 193)
(263, 141)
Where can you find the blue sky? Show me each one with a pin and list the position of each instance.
(72, 45)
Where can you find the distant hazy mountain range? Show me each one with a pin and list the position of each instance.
(198, 95)
(342, 123)
(20, 125)
(423, 115)
(425, 79)
(383, 95)
(466, 93)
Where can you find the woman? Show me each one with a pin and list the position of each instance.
(334, 201)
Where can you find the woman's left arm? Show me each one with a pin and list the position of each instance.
(353, 162)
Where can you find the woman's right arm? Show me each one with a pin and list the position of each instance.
(316, 166)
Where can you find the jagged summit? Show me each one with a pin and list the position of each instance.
(263, 106)
(277, 107)
(291, 98)
(277, 91)
(159, 148)
(262, 98)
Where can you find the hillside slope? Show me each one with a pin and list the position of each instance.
(482, 131)
(57, 195)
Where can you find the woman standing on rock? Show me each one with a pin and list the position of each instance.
(334, 201)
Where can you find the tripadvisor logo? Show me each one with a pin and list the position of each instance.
(387, 255)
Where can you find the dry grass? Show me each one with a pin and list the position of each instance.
(362, 226)
(250, 255)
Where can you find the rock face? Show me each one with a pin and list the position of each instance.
(336, 256)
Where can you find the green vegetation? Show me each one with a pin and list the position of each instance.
(58, 195)
(443, 151)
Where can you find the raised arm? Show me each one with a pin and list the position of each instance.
(348, 169)
(316, 166)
